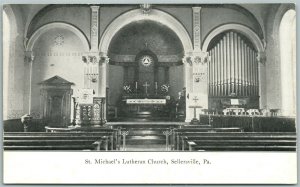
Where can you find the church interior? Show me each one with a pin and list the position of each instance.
(149, 77)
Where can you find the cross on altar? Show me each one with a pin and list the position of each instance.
(146, 87)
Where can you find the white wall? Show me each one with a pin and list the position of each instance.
(51, 59)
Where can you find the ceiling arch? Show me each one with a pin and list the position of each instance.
(250, 34)
(145, 35)
(35, 36)
(137, 15)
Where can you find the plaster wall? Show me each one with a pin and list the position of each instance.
(54, 58)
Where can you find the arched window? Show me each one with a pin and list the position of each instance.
(287, 34)
(6, 47)
(233, 71)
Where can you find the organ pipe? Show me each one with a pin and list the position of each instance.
(222, 68)
(248, 70)
(242, 68)
(225, 66)
(228, 63)
(235, 62)
(233, 67)
(232, 62)
(213, 71)
(256, 76)
(239, 65)
(219, 68)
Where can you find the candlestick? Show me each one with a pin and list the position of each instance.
(156, 85)
(136, 85)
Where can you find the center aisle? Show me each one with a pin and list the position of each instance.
(144, 136)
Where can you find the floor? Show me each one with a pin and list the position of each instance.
(146, 148)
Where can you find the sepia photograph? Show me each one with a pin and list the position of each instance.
(149, 79)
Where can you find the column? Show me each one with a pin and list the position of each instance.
(188, 75)
(103, 76)
(28, 59)
(197, 94)
(261, 59)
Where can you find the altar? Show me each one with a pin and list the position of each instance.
(144, 89)
(146, 108)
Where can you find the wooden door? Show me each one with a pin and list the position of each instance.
(56, 110)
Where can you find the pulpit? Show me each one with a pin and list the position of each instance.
(89, 110)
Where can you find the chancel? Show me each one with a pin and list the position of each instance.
(149, 77)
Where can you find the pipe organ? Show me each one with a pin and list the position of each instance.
(233, 70)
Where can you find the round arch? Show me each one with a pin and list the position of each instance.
(137, 15)
(282, 9)
(44, 28)
(250, 34)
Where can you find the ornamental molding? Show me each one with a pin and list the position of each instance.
(146, 8)
(197, 58)
(29, 57)
(261, 58)
(94, 58)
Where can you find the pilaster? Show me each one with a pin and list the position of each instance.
(196, 72)
(94, 28)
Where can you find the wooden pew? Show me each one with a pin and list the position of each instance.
(57, 141)
(239, 141)
(230, 147)
(182, 137)
(51, 145)
(176, 133)
(114, 139)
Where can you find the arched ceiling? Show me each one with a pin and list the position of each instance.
(259, 11)
(145, 35)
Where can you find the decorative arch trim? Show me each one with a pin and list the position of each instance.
(35, 36)
(137, 15)
(250, 34)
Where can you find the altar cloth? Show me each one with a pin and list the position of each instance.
(146, 101)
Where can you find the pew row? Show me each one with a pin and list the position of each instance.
(176, 135)
(58, 141)
(234, 141)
